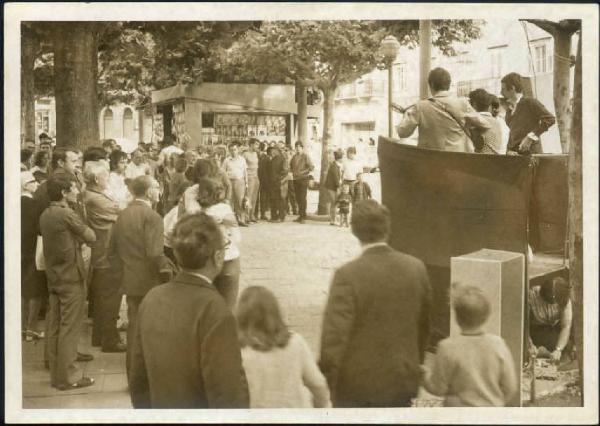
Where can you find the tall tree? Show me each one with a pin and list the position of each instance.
(75, 79)
(28, 55)
(562, 32)
(327, 54)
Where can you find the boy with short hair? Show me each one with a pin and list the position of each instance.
(475, 368)
(360, 190)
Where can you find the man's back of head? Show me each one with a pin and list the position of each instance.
(439, 80)
(370, 222)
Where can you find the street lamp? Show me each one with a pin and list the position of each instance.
(389, 48)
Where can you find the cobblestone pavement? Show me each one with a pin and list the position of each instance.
(294, 261)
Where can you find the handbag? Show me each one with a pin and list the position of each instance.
(40, 261)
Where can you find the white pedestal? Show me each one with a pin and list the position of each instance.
(501, 276)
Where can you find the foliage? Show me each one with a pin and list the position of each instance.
(324, 53)
(445, 33)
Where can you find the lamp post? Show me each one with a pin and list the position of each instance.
(389, 48)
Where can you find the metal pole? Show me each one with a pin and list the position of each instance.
(425, 56)
(390, 99)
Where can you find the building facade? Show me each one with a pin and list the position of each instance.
(361, 107)
(119, 121)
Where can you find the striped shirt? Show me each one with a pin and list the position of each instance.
(547, 313)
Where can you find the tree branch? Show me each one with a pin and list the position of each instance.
(548, 26)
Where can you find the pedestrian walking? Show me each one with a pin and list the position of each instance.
(186, 352)
(301, 166)
(378, 301)
(280, 368)
(475, 368)
(136, 250)
(62, 232)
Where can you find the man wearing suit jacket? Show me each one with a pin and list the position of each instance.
(279, 171)
(376, 322)
(136, 249)
(186, 353)
(333, 182)
(526, 117)
(102, 213)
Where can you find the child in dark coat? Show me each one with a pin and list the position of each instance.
(360, 190)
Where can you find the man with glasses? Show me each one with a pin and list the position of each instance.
(193, 359)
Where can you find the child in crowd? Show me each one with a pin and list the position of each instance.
(360, 189)
(279, 365)
(343, 204)
(474, 368)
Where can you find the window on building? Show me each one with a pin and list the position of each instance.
(107, 122)
(542, 59)
(208, 120)
(128, 124)
(42, 120)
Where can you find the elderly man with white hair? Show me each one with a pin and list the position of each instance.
(101, 212)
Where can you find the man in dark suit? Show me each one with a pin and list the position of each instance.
(264, 161)
(278, 185)
(333, 181)
(136, 249)
(526, 117)
(376, 322)
(186, 353)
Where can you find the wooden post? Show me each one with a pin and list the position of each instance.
(425, 56)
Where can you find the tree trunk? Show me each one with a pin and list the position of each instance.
(75, 79)
(328, 105)
(28, 53)
(562, 85)
(576, 218)
(302, 113)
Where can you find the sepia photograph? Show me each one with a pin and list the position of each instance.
(301, 213)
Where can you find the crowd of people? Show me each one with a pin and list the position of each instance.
(98, 230)
(161, 227)
(191, 342)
